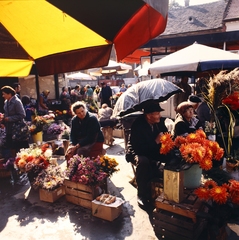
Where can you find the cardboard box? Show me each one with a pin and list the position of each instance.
(173, 185)
(107, 212)
(119, 133)
(51, 196)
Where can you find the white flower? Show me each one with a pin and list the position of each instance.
(48, 153)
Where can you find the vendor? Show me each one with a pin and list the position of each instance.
(86, 137)
(185, 121)
(143, 149)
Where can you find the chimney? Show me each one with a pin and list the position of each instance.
(186, 3)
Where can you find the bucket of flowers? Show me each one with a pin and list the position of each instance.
(55, 129)
(33, 160)
(222, 201)
(194, 149)
(50, 183)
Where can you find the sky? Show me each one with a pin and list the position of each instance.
(195, 2)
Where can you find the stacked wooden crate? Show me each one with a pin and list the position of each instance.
(178, 220)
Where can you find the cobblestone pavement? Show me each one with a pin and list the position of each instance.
(24, 216)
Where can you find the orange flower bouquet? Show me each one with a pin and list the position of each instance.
(194, 148)
(222, 202)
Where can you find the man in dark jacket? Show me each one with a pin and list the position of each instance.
(105, 94)
(144, 145)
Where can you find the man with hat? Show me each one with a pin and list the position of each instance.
(144, 146)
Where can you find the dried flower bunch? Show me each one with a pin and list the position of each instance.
(85, 170)
(221, 86)
(50, 178)
(33, 158)
(223, 94)
(194, 148)
(219, 194)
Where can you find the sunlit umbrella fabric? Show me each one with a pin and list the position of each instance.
(195, 58)
(140, 94)
(74, 35)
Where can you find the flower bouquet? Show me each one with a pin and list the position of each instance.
(85, 170)
(108, 165)
(194, 148)
(37, 124)
(50, 178)
(33, 160)
(222, 202)
(55, 129)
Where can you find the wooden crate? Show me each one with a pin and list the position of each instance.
(168, 225)
(179, 220)
(81, 194)
(51, 196)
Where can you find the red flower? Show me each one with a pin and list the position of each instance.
(202, 193)
(219, 194)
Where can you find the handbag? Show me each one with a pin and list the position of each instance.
(20, 131)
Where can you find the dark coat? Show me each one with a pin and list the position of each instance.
(142, 138)
(85, 131)
(183, 127)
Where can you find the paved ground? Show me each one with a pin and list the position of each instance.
(24, 216)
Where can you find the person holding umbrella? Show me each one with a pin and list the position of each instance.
(143, 149)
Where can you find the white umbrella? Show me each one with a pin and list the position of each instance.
(195, 58)
(80, 76)
(143, 93)
(113, 67)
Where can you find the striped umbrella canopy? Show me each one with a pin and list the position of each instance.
(67, 35)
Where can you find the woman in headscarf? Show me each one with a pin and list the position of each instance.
(13, 112)
(185, 121)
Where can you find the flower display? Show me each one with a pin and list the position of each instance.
(39, 122)
(85, 170)
(117, 95)
(33, 159)
(221, 201)
(50, 178)
(194, 148)
(108, 165)
(55, 129)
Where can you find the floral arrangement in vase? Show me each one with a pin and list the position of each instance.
(50, 178)
(85, 170)
(33, 159)
(37, 124)
(108, 165)
(194, 148)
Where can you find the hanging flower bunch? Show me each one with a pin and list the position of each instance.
(219, 194)
(33, 158)
(108, 165)
(50, 178)
(194, 148)
(85, 170)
